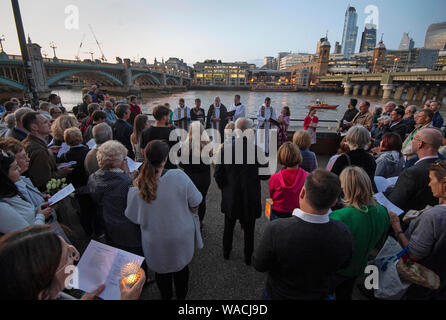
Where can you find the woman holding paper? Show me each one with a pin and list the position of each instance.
(45, 280)
(15, 211)
(164, 203)
(426, 235)
(367, 221)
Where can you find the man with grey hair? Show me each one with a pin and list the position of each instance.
(388, 108)
(44, 110)
(101, 134)
(19, 132)
(217, 117)
(111, 115)
(239, 181)
(412, 191)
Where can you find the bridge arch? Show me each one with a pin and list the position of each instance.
(151, 76)
(172, 81)
(53, 80)
(13, 84)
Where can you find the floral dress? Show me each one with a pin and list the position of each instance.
(282, 134)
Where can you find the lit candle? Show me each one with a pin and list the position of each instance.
(131, 273)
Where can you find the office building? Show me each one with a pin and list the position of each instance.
(406, 43)
(436, 36)
(350, 33)
(217, 73)
(368, 40)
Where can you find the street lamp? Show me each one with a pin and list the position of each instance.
(45, 54)
(54, 47)
(374, 65)
(395, 64)
(2, 38)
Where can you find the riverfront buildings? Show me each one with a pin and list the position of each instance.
(217, 73)
(350, 33)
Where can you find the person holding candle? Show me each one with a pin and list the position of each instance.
(164, 204)
(45, 280)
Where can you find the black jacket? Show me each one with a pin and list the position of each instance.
(412, 191)
(240, 184)
(358, 158)
(349, 115)
(400, 129)
(122, 131)
(159, 133)
(223, 121)
(410, 124)
(18, 134)
(79, 176)
(301, 257)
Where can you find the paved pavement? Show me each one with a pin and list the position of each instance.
(212, 277)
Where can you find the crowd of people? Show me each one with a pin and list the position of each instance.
(325, 223)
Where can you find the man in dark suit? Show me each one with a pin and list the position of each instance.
(398, 126)
(122, 130)
(409, 119)
(18, 132)
(217, 117)
(241, 190)
(349, 115)
(412, 191)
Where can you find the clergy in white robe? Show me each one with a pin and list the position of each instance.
(265, 113)
(181, 116)
(238, 108)
(217, 119)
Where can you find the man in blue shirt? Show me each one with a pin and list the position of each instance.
(437, 121)
(111, 116)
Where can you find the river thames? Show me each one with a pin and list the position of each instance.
(297, 101)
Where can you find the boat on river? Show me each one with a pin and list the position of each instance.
(323, 106)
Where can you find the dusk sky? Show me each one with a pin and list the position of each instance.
(195, 30)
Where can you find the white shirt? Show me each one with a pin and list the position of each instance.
(240, 111)
(312, 218)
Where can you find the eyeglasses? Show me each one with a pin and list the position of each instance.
(72, 255)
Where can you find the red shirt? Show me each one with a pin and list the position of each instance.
(285, 187)
(308, 121)
(135, 109)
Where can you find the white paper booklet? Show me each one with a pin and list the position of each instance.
(91, 144)
(382, 183)
(62, 194)
(381, 198)
(133, 166)
(64, 149)
(101, 264)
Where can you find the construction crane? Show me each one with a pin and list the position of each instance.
(76, 57)
(103, 58)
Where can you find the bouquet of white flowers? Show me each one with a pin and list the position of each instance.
(55, 185)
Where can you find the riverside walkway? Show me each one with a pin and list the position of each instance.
(212, 277)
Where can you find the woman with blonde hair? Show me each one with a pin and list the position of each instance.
(164, 203)
(59, 126)
(368, 222)
(198, 171)
(141, 122)
(303, 140)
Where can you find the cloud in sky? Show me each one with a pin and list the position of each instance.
(194, 30)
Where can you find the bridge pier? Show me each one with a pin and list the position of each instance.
(356, 89)
(373, 91)
(387, 91)
(399, 92)
(420, 94)
(365, 90)
(440, 94)
(431, 93)
(410, 93)
(347, 88)
(38, 71)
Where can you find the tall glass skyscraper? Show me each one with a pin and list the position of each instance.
(350, 32)
(368, 40)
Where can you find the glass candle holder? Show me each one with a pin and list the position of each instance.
(131, 273)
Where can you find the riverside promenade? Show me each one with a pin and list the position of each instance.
(212, 277)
